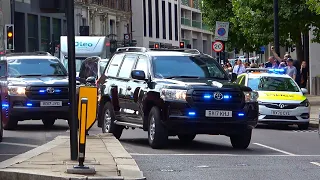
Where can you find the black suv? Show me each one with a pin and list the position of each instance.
(175, 92)
(33, 86)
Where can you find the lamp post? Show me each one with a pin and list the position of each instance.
(276, 26)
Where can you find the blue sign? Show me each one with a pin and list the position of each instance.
(221, 31)
(83, 44)
(262, 48)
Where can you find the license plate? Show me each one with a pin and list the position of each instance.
(215, 113)
(51, 103)
(280, 113)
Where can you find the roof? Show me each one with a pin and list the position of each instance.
(31, 57)
(167, 53)
(255, 74)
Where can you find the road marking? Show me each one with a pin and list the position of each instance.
(315, 163)
(275, 149)
(8, 154)
(243, 155)
(20, 144)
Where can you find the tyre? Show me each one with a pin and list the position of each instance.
(157, 132)
(48, 122)
(11, 124)
(186, 138)
(108, 125)
(303, 126)
(242, 140)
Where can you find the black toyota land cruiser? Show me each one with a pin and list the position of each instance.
(175, 92)
(33, 86)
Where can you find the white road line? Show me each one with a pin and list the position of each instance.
(20, 144)
(243, 155)
(275, 149)
(315, 163)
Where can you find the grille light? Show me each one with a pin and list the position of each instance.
(191, 113)
(29, 104)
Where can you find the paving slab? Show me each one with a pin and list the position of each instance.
(104, 154)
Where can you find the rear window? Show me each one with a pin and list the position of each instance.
(38, 67)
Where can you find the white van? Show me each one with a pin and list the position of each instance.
(85, 46)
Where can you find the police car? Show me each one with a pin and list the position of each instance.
(281, 101)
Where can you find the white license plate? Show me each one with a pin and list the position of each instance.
(280, 113)
(215, 113)
(51, 103)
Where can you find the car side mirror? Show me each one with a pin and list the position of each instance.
(233, 76)
(304, 90)
(91, 80)
(138, 74)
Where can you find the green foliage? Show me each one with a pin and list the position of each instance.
(314, 5)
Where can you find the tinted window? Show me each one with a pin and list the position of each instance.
(114, 65)
(43, 67)
(127, 66)
(273, 84)
(2, 69)
(201, 67)
(142, 64)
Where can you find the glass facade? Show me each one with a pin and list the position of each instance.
(56, 29)
(32, 33)
(45, 33)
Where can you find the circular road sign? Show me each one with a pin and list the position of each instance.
(218, 46)
(127, 37)
(221, 31)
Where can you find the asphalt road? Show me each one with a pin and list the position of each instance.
(273, 154)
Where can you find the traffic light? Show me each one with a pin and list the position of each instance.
(182, 44)
(156, 46)
(9, 30)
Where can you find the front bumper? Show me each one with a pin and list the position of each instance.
(298, 115)
(178, 120)
(22, 108)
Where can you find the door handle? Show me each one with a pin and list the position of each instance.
(128, 88)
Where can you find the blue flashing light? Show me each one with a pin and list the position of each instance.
(29, 104)
(57, 90)
(226, 97)
(277, 71)
(5, 105)
(191, 113)
(207, 96)
(240, 114)
(41, 91)
(68, 103)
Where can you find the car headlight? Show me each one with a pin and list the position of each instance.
(16, 90)
(305, 103)
(173, 94)
(251, 96)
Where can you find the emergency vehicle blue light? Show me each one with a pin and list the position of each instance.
(226, 97)
(207, 96)
(277, 71)
(5, 106)
(241, 114)
(41, 91)
(68, 103)
(57, 90)
(192, 113)
(29, 104)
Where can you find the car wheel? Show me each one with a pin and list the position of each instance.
(242, 140)
(157, 132)
(1, 128)
(108, 125)
(11, 124)
(186, 138)
(48, 122)
(303, 126)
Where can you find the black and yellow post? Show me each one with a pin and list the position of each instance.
(87, 108)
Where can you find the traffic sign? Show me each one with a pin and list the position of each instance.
(90, 93)
(217, 46)
(222, 29)
(127, 36)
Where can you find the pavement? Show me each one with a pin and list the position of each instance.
(315, 110)
(51, 160)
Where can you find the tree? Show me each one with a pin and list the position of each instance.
(314, 5)
(295, 18)
(221, 10)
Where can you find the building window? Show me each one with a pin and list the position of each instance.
(150, 17)
(32, 33)
(64, 27)
(157, 18)
(176, 31)
(164, 28)
(112, 27)
(45, 33)
(144, 18)
(56, 29)
(170, 21)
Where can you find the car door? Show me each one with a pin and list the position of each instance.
(123, 80)
(136, 89)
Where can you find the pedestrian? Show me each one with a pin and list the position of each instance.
(276, 56)
(228, 67)
(290, 69)
(304, 74)
(239, 68)
(272, 63)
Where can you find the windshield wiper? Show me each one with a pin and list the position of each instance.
(172, 77)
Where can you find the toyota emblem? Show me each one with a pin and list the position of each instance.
(217, 96)
(281, 106)
(50, 90)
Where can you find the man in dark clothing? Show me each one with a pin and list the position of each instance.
(297, 64)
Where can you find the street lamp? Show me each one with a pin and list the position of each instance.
(276, 26)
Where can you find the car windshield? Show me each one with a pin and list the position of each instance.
(79, 62)
(35, 67)
(273, 84)
(187, 66)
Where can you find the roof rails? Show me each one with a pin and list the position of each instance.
(131, 49)
(39, 53)
(257, 70)
(143, 49)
